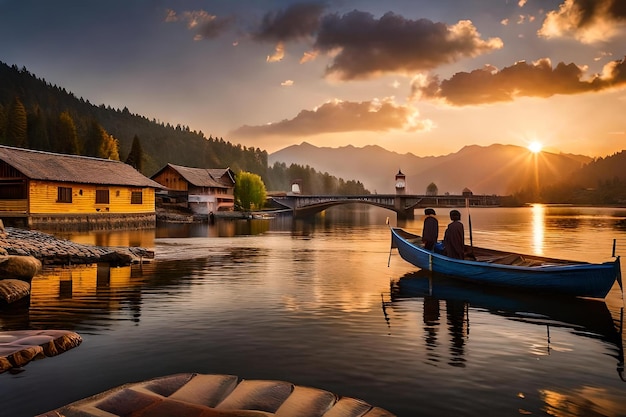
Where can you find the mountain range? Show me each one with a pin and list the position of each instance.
(495, 169)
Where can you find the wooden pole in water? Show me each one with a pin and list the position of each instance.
(390, 244)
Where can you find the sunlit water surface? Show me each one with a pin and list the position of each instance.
(322, 303)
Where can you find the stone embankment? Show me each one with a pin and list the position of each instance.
(53, 251)
(215, 395)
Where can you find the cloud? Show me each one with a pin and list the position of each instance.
(279, 53)
(202, 23)
(588, 21)
(296, 22)
(364, 47)
(539, 79)
(308, 56)
(343, 116)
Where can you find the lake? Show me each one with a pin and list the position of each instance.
(322, 303)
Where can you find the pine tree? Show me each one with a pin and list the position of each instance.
(17, 125)
(3, 124)
(99, 143)
(38, 130)
(67, 138)
(93, 138)
(135, 156)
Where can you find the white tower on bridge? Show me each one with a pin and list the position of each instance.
(400, 183)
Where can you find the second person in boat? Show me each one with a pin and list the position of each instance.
(430, 233)
(454, 237)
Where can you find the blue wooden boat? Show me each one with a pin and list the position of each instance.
(506, 269)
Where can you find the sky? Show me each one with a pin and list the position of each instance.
(419, 76)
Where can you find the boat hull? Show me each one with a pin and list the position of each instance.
(578, 279)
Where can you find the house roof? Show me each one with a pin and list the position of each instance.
(224, 175)
(38, 165)
(201, 177)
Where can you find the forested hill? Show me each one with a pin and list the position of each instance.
(37, 115)
(161, 143)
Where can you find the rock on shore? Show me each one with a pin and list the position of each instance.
(19, 347)
(53, 251)
(12, 290)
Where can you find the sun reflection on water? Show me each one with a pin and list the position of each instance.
(538, 223)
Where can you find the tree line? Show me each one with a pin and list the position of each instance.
(35, 114)
(600, 182)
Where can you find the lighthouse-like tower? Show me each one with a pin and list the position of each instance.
(400, 183)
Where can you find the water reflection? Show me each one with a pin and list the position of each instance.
(140, 238)
(538, 225)
(582, 317)
(79, 297)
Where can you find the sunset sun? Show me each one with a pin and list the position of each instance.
(535, 147)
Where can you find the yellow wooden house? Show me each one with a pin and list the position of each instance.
(205, 190)
(56, 191)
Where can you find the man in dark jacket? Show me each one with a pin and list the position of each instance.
(454, 237)
(430, 233)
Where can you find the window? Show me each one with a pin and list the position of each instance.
(12, 190)
(64, 195)
(102, 196)
(136, 197)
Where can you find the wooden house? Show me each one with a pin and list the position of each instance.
(55, 191)
(204, 190)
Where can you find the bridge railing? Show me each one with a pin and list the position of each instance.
(388, 200)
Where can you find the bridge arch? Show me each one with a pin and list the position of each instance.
(303, 206)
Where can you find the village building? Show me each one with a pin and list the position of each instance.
(46, 190)
(203, 190)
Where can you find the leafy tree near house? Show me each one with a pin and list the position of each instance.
(108, 147)
(250, 193)
(135, 156)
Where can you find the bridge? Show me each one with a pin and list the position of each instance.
(402, 204)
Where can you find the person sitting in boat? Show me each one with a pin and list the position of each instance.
(430, 233)
(454, 237)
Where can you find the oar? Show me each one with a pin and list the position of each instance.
(620, 364)
(469, 220)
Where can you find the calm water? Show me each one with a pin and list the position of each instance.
(315, 303)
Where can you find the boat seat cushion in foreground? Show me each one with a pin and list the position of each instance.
(200, 395)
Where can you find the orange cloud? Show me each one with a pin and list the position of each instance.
(205, 25)
(278, 55)
(342, 116)
(539, 79)
(586, 21)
